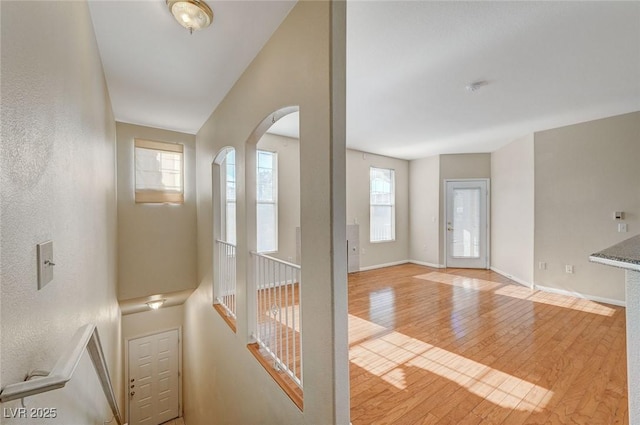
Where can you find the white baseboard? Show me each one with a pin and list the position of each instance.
(560, 291)
(512, 277)
(397, 263)
(424, 263)
(580, 295)
(380, 266)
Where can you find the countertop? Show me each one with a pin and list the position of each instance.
(625, 255)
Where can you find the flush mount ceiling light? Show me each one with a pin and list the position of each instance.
(194, 15)
(156, 304)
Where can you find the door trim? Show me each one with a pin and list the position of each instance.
(126, 367)
(487, 212)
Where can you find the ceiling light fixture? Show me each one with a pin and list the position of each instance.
(156, 304)
(476, 85)
(194, 15)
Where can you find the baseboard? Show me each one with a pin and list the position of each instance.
(580, 295)
(512, 277)
(424, 263)
(397, 263)
(380, 266)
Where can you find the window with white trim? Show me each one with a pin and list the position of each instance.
(159, 172)
(229, 175)
(382, 205)
(267, 201)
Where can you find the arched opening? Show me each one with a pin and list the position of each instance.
(274, 239)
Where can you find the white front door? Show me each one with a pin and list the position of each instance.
(153, 378)
(467, 207)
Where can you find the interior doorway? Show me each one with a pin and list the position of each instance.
(153, 380)
(467, 223)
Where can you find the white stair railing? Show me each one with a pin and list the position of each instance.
(279, 327)
(226, 291)
(85, 337)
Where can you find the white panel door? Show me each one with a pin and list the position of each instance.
(153, 378)
(466, 229)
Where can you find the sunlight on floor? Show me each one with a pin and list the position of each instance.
(520, 292)
(393, 356)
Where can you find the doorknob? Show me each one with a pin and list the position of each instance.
(449, 228)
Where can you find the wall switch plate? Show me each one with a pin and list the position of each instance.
(45, 263)
(568, 268)
(542, 265)
(622, 227)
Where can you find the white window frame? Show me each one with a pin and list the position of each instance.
(274, 202)
(225, 200)
(152, 196)
(392, 204)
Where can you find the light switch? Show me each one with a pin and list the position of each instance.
(45, 263)
(622, 227)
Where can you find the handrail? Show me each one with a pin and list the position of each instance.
(278, 327)
(277, 260)
(225, 242)
(85, 337)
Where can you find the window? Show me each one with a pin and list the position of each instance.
(382, 200)
(159, 177)
(229, 174)
(267, 205)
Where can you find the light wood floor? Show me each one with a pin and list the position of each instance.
(465, 347)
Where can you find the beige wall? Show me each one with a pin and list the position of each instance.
(512, 206)
(234, 388)
(288, 150)
(156, 242)
(424, 205)
(380, 253)
(583, 173)
(57, 183)
(147, 323)
(460, 166)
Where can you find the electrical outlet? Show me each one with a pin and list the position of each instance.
(542, 265)
(568, 268)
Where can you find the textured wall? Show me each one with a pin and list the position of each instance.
(57, 183)
(156, 242)
(379, 253)
(512, 205)
(583, 173)
(234, 388)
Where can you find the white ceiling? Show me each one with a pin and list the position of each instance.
(161, 76)
(547, 64)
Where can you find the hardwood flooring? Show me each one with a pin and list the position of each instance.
(468, 347)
